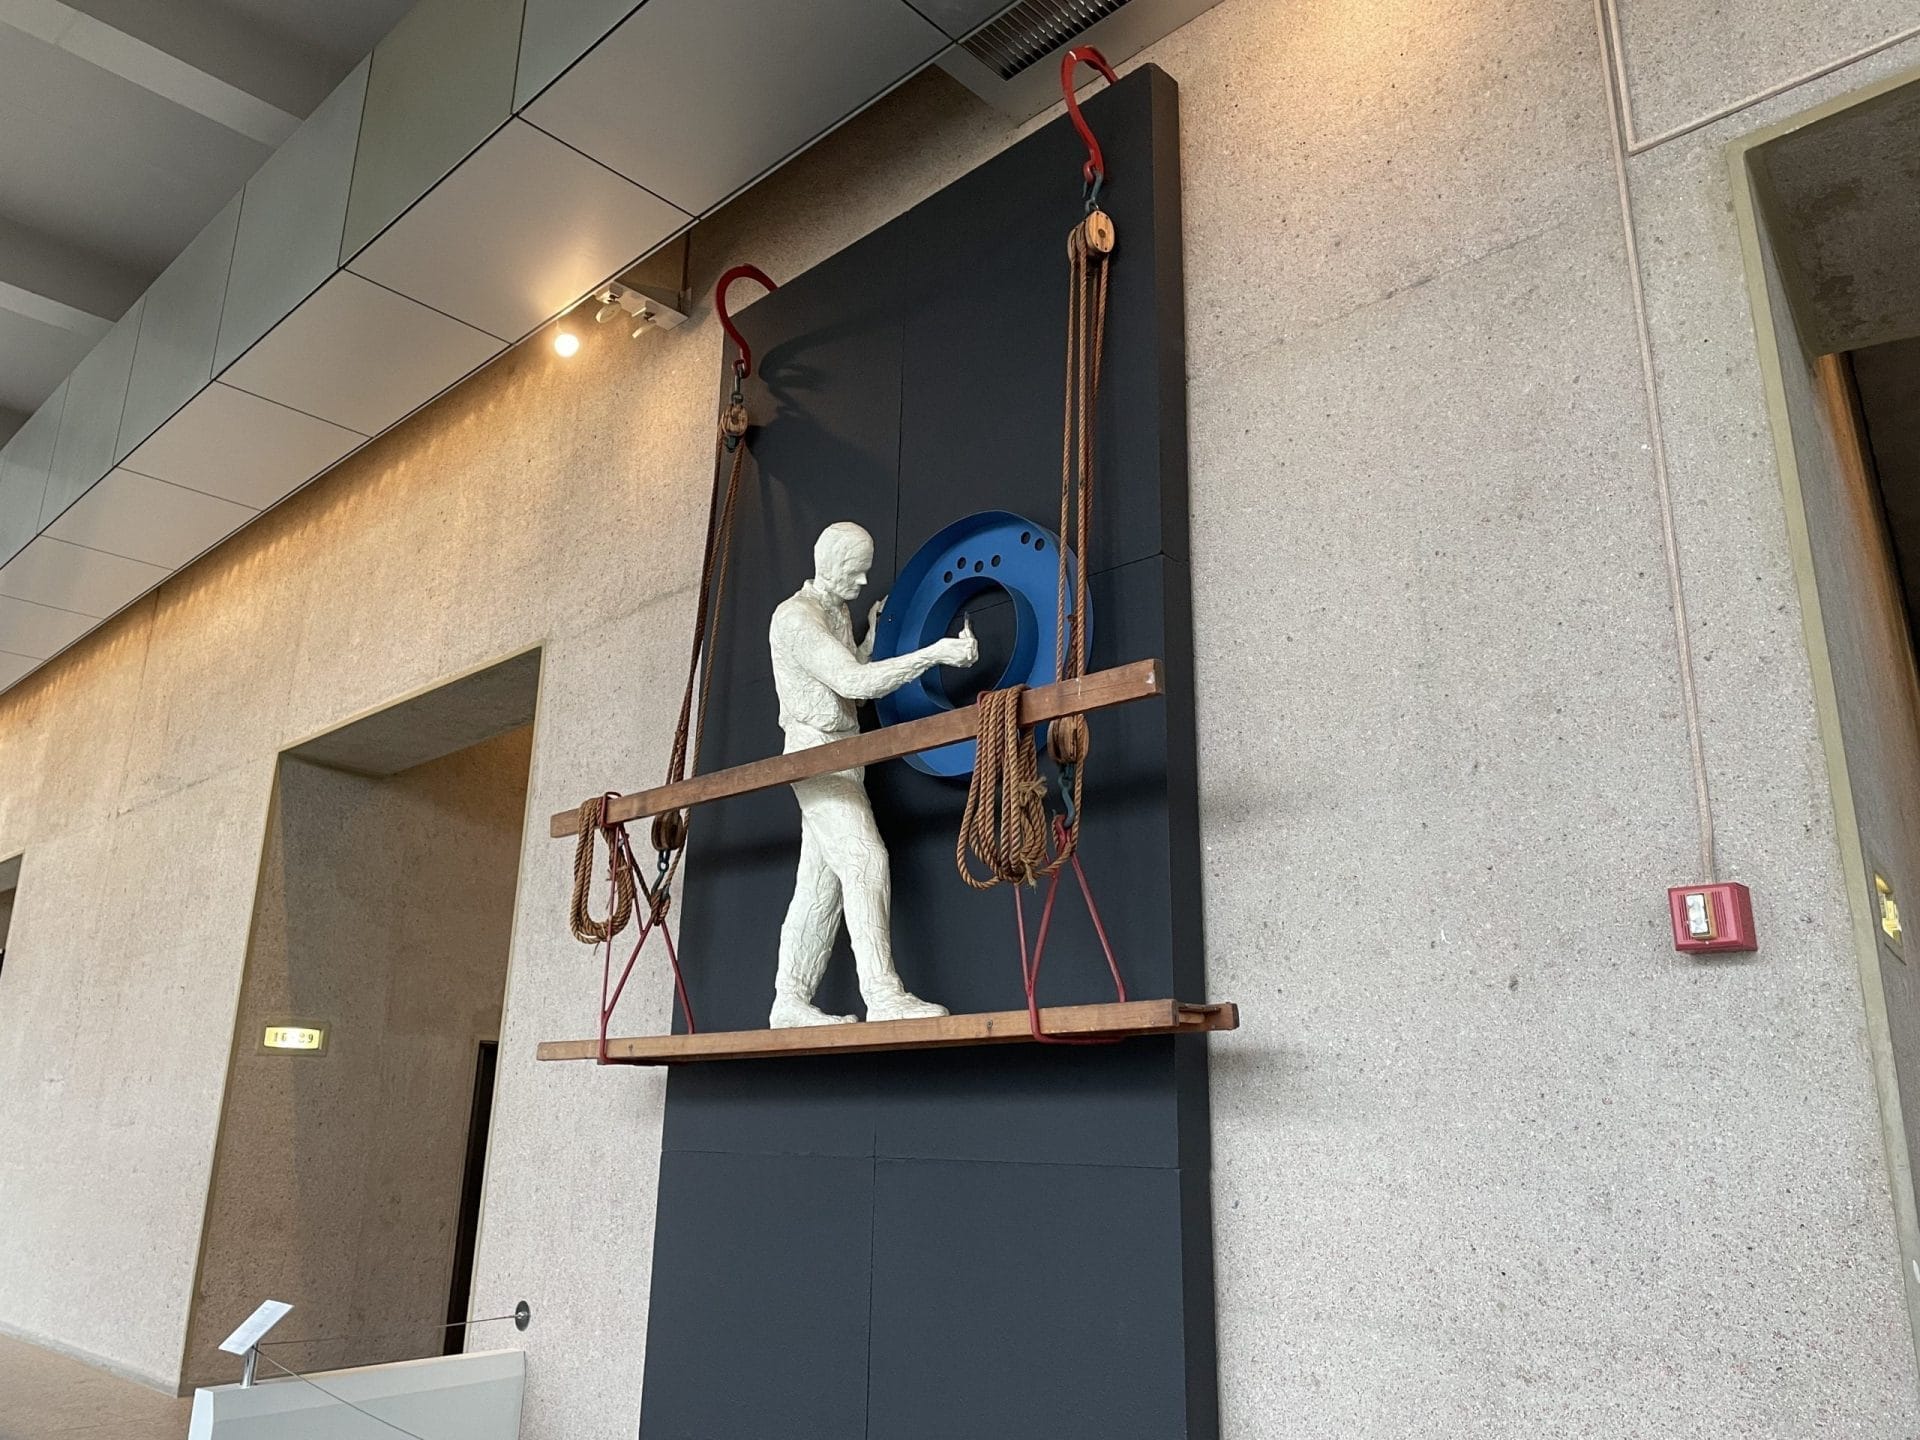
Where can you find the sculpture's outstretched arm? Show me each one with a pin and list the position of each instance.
(842, 669)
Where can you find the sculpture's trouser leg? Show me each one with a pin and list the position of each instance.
(836, 821)
(806, 935)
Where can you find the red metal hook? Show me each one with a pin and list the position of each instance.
(743, 366)
(1095, 170)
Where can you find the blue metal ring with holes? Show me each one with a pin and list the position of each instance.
(969, 560)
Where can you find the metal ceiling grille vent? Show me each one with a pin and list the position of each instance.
(1033, 30)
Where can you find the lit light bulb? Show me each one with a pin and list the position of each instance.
(565, 344)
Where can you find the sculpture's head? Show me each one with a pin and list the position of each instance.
(841, 557)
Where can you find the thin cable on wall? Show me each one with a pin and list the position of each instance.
(1676, 589)
(339, 1399)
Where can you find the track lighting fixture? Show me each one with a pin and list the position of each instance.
(644, 304)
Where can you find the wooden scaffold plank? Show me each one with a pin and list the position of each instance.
(1104, 688)
(1116, 1021)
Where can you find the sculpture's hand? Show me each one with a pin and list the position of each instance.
(960, 649)
(865, 648)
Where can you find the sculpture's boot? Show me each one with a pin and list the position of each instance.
(867, 927)
(790, 1011)
(888, 999)
(794, 987)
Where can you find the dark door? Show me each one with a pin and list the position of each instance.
(460, 1291)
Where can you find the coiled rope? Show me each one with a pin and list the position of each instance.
(1005, 824)
(586, 929)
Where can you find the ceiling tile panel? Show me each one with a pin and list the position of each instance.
(695, 98)
(558, 32)
(68, 577)
(35, 357)
(23, 474)
(90, 418)
(14, 668)
(960, 18)
(147, 519)
(361, 356)
(442, 81)
(518, 233)
(291, 215)
(179, 322)
(39, 631)
(238, 446)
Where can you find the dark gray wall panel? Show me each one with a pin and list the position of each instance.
(751, 1333)
(980, 419)
(1041, 1253)
(1025, 1300)
(825, 394)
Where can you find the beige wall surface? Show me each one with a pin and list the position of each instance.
(1490, 1158)
(384, 910)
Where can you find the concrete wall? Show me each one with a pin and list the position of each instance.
(1490, 1158)
(385, 908)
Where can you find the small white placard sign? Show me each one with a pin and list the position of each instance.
(254, 1328)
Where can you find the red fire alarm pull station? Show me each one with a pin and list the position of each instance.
(1709, 918)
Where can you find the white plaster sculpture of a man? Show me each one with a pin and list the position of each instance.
(820, 675)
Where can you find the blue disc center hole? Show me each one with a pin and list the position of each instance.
(996, 628)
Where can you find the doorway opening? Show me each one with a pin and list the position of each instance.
(1828, 205)
(350, 1172)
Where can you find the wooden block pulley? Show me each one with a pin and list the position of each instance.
(1097, 230)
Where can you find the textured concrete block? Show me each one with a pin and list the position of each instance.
(233, 673)
(125, 1147)
(1684, 62)
(1388, 769)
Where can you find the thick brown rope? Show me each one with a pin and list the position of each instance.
(669, 832)
(586, 929)
(1005, 825)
